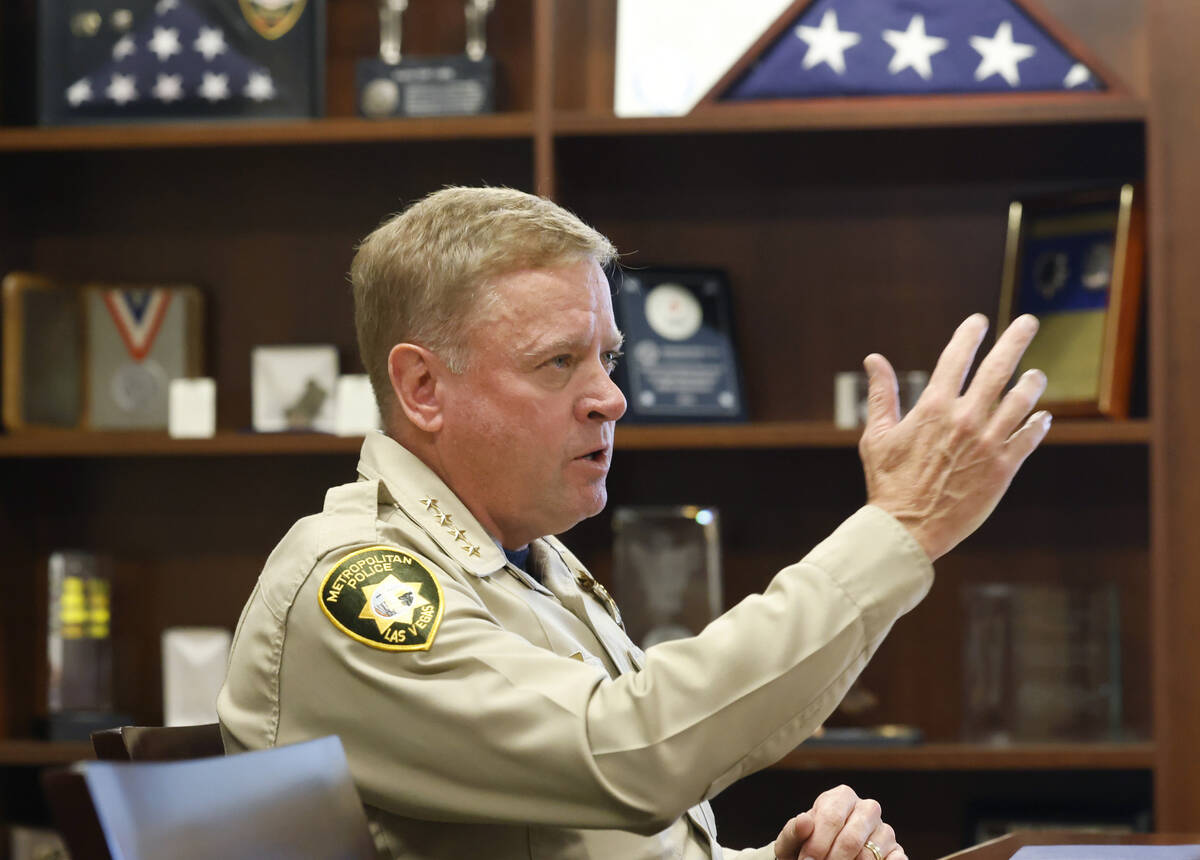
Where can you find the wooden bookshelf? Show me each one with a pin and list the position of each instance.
(846, 226)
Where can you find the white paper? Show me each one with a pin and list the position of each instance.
(671, 52)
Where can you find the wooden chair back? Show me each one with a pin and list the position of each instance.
(158, 743)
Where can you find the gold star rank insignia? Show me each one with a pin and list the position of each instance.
(385, 598)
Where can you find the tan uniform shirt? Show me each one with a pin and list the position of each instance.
(532, 727)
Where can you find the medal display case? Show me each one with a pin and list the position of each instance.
(843, 226)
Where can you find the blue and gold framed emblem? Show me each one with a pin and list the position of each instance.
(1075, 262)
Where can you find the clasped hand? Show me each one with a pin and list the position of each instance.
(838, 827)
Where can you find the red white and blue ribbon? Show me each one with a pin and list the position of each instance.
(138, 315)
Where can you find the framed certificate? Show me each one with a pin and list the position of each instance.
(680, 360)
(1075, 262)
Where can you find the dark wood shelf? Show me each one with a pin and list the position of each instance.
(868, 113)
(816, 114)
(770, 434)
(22, 751)
(69, 443)
(278, 133)
(819, 434)
(966, 757)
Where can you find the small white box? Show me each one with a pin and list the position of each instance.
(192, 408)
(292, 387)
(194, 660)
(357, 412)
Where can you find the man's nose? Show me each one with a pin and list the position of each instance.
(607, 402)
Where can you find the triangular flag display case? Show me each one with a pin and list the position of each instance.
(854, 48)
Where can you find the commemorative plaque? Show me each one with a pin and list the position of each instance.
(138, 60)
(680, 361)
(666, 571)
(395, 85)
(138, 340)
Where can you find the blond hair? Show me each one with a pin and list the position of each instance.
(422, 275)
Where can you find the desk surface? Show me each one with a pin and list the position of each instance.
(1004, 847)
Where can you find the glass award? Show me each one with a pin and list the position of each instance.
(1041, 662)
(666, 571)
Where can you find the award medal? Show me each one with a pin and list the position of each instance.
(138, 316)
(272, 18)
(383, 597)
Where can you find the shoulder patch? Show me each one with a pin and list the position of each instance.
(383, 597)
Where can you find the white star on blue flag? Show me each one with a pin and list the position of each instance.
(176, 57)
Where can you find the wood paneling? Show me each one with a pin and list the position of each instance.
(1174, 199)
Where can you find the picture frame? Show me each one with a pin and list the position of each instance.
(1075, 261)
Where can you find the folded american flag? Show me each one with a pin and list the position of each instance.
(878, 47)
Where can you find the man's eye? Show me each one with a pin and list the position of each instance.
(562, 362)
(611, 358)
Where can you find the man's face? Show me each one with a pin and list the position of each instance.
(528, 431)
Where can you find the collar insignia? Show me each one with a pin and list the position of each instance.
(447, 522)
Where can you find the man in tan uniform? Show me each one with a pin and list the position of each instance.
(479, 678)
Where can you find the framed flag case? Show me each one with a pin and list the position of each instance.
(147, 60)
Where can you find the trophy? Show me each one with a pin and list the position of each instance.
(395, 85)
(79, 659)
(666, 571)
(1041, 662)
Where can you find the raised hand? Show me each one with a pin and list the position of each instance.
(942, 469)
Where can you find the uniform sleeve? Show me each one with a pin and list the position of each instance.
(487, 727)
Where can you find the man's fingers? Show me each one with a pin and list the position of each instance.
(829, 813)
(998, 366)
(952, 365)
(883, 396)
(1021, 444)
(863, 822)
(793, 835)
(1017, 405)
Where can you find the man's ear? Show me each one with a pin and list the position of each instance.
(415, 372)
